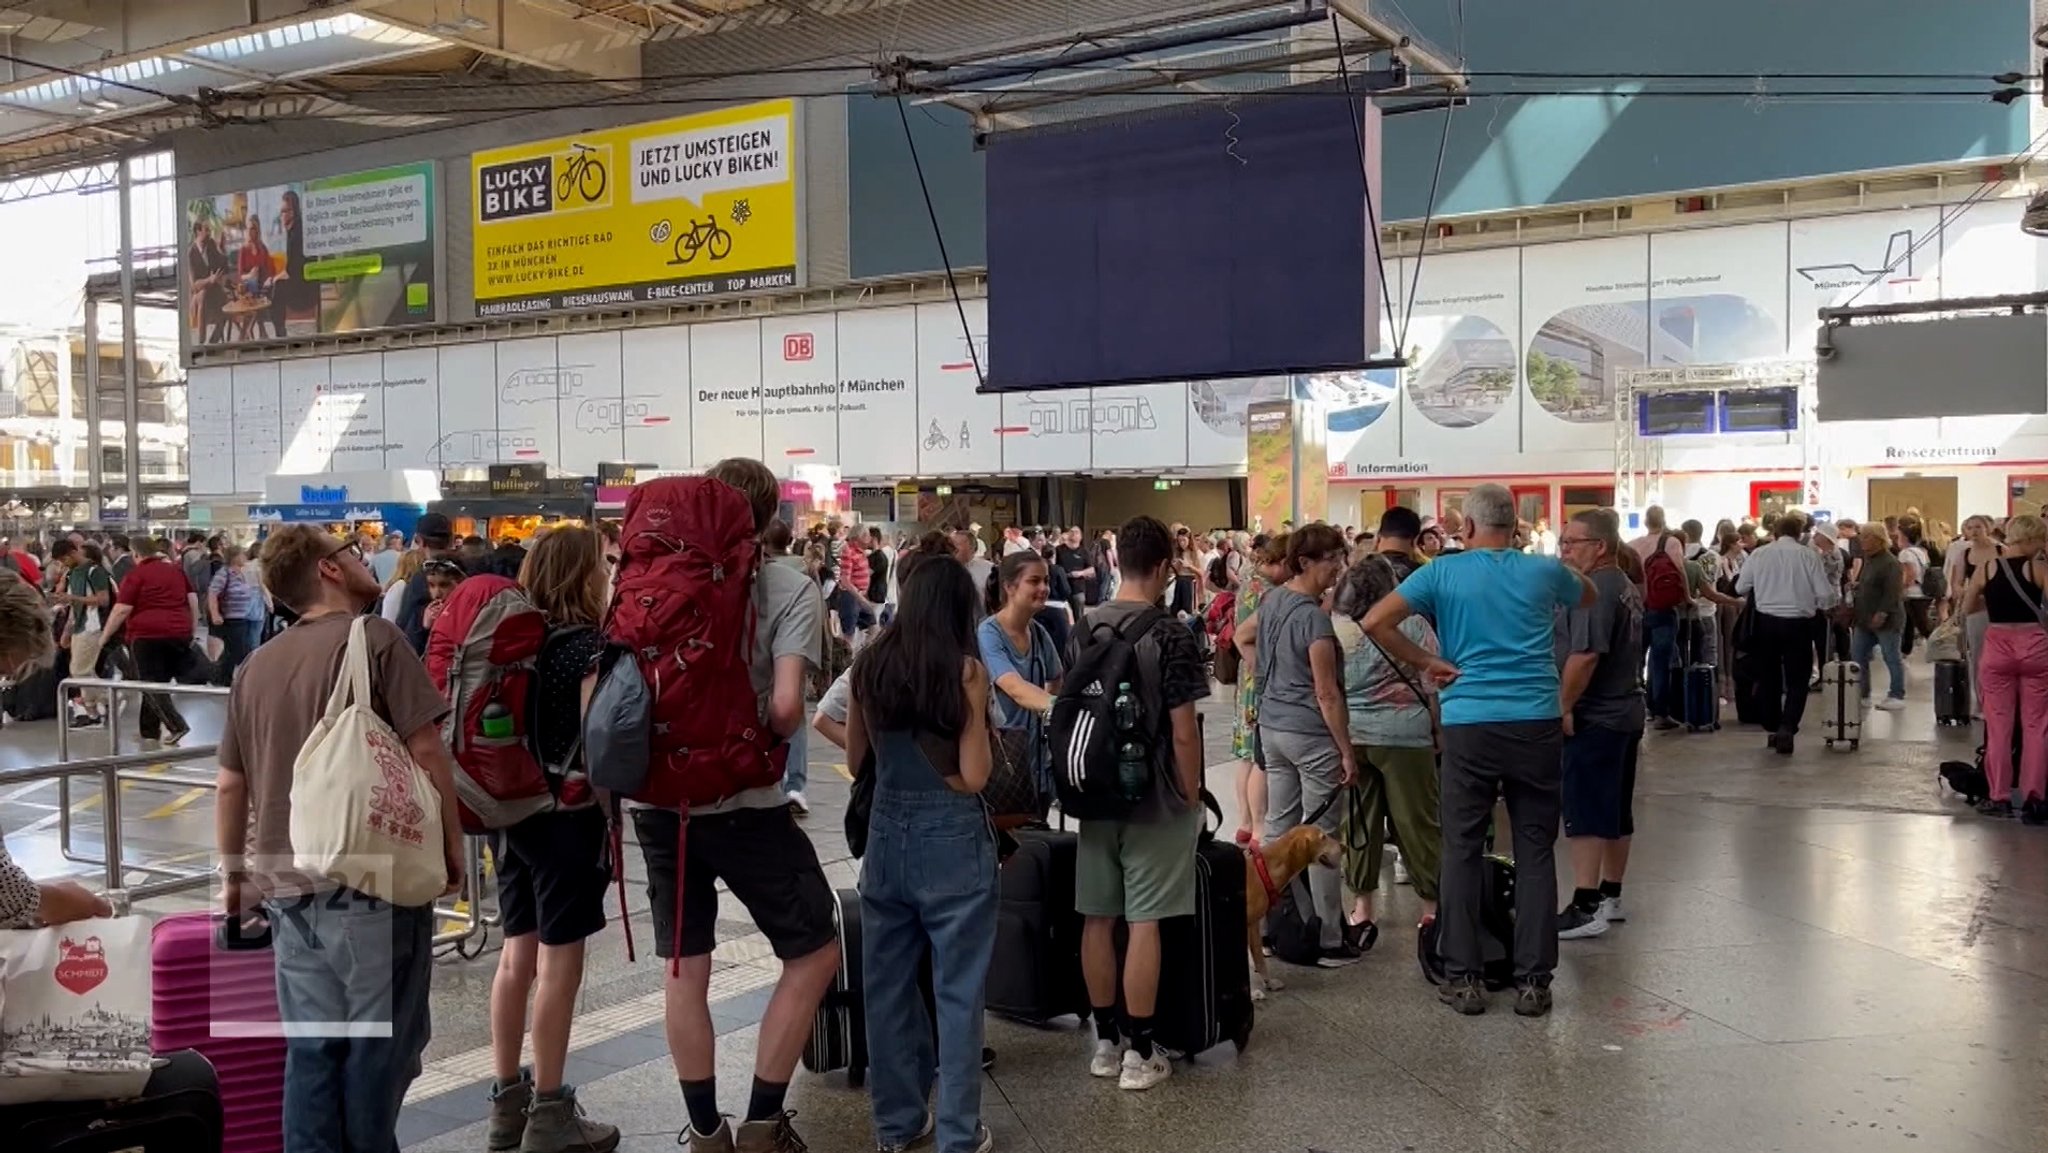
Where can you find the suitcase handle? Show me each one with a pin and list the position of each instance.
(248, 933)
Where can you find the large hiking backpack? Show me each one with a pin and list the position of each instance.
(1084, 733)
(481, 655)
(1663, 579)
(675, 721)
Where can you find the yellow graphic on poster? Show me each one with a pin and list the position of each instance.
(676, 210)
(1269, 463)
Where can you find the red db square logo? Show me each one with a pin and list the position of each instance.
(798, 346)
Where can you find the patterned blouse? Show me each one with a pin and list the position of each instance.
(1250, 590)
(20, 896)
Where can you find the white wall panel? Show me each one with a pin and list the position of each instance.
(412, 407)
(799, 391)
(210, 437)
(529, 403)
(725, 383)
(259, 445)
(657, 409)
(591, 369)
(469, 407)
(878, 426)
(956, 425)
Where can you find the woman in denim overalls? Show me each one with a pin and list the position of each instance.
(928, 881)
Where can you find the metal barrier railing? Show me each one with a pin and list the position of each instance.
(116, 768)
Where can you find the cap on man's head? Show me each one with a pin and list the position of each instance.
(434, 530)
(1400, 523)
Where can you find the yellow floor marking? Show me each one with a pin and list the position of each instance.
(93, 801)
(177, 804)
(840, 768)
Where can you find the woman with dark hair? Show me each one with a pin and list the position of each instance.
(1303, 725)
(1393, 737)
(1022, 654)
(920, 703)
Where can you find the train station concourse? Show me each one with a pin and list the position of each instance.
(1214, 576)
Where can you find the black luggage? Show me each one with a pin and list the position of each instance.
(1749, 675)
(1496, 930)
(179, 1112)
(1035, 975)
(839, 1033)
(1951, 693)
(33, 697)
(1205, 971)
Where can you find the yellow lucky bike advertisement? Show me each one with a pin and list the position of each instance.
(675, 210)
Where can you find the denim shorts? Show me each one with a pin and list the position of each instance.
(1600, 782)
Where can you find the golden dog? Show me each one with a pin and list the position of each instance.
(1295, 850)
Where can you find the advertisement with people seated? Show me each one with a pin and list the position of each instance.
(341, 254)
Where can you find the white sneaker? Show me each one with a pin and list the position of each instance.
(1611, 910)
(1400, 870)
(798, 802)
(1108, 1060)
(1140, 1074)
(1891, 704)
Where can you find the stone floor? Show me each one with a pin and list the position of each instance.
(1825, 953)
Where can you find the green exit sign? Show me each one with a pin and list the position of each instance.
(1162, 484)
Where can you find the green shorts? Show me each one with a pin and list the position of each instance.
(1137, 871)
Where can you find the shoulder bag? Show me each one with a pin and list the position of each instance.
(2040, 610)
(364, 814)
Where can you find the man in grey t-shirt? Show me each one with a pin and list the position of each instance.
(1600, 659)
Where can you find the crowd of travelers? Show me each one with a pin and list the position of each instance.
(1393, 688)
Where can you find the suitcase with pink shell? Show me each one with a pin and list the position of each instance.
(215, 990)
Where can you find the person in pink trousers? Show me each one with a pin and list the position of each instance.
(2013, 671)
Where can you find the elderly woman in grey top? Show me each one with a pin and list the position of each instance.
(25, 643)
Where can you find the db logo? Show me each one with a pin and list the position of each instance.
(798, 346)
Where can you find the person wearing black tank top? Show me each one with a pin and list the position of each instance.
(2014, 676)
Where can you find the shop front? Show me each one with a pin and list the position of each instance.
(515, 501)
(342, 502)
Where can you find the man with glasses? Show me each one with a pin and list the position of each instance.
(1502, 733)
(352, 971)
(156, 607)
(1600, 696)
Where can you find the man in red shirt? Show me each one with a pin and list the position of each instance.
(156, 606)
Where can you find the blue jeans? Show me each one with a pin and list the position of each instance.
(929, 877)
(352, 982)
(1886, 642)
(797, 772)
(1660, 630)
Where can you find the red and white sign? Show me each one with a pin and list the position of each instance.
(799, 346)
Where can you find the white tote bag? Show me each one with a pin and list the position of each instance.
(74, 1011)
(364, 814)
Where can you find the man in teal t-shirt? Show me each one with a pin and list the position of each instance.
(1493, 606)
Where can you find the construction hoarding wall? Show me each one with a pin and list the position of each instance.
(1514, 353)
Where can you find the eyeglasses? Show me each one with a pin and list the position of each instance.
(1569, 541)
(447, 567)
(351, 548)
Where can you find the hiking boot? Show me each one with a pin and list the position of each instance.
(716, 1141)
(1463, 993)
(1532, 999)
(508, 1113)
(773, 1135)
(556, 1124)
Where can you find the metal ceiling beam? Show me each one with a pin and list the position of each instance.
(538, 35)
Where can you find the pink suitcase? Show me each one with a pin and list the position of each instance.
(223, 1002)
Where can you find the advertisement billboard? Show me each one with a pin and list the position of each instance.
(341, 254)
(676, 210)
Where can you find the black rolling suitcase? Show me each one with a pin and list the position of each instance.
(33, 697)
(1035, 975)
(1205, 968)
(839, 1033)
(1951, 693)
(179, 1112)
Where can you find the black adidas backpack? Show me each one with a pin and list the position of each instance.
(1083, 733)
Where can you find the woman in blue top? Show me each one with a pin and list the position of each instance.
(1023, 662)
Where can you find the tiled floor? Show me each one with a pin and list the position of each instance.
(1825, 953)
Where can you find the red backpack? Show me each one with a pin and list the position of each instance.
(481, 655)
(683, 609)
(1663, 579)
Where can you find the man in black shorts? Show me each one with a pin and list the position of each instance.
(753, 844)
(1600, 658)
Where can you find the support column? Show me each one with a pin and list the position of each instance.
(131, 428)
(95, 473)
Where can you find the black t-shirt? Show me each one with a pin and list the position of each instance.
(1070, 561)
(558, 713)
(878, 581)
